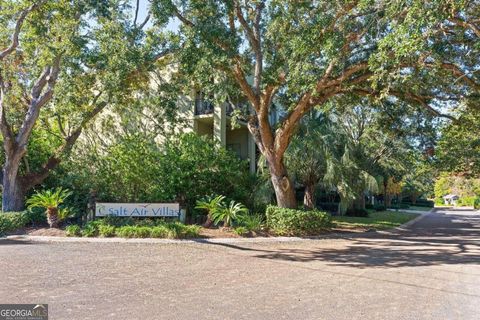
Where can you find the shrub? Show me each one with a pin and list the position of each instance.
(51, 200)
(329, 206)
(210, 204)
(11, 221)
(476, 203)
(252, 222)
(190, 231)
(90, 229)
(466, 201)
(106, 230)
(241, 231)
(376, 208)
(439, 201)
(285, 221)
(117, 221)
(133, 232)
(159, 232)
(229, 214)
(369, 206)
(180, 230)
(421, 203)
(73, 230)
(36, 216)
(358, 212)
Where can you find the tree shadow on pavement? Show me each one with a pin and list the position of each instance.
(454, 240)
(10, 242)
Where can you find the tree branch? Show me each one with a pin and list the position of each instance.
(35, 178)
(409, 97)
(18, 26)
(8, 140)
(38, 101)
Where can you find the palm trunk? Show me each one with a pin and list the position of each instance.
(52, 217)
(309, 197)
(209, 221)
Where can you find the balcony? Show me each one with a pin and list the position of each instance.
(205, 107)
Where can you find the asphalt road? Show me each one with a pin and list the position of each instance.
(431, 271)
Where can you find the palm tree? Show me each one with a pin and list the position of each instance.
(51, 200)
(311, 153)
(211, 204)
(229, 213)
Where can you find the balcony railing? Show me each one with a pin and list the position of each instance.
(203, 107)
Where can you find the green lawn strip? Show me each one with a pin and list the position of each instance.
(376, 220)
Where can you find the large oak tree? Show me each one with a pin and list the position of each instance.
(299, 54)
(61, 63)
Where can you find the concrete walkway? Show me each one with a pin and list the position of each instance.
(431, 270)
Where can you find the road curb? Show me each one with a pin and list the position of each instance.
(165, 241)
(29, 238)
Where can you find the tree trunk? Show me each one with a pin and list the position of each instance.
(283, 186)
(388, 200)
(208, 223)
(13, 195)
(359, 202)
(309, 198)
(413, 197)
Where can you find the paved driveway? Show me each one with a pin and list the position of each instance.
(429, 272)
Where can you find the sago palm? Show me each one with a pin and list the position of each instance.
(211, 204)
(50, 200)
(229, 213)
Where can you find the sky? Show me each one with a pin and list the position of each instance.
(143, 11)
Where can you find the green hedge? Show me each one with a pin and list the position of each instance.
(129, 228)
(11, 221)
(284, 221)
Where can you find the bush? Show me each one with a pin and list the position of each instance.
(252, 222)
(476, 203)
(160, 232)
(439, 201)
(358, 212)
(11, 221)
(91, 229)
(133, 232)
(241, 231)
(73, 230)
(136, 168)
(105, 230)
(36, 216)
(369, 206)
(190, 231)
(377, 208)
(400, 206)
(466, 201)
(285, 221)
(180, 230)
(329, 206)
(420, 203)
(117, 221)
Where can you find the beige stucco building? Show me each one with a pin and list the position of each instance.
(215, 120)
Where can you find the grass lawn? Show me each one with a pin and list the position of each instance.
(376, 220)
